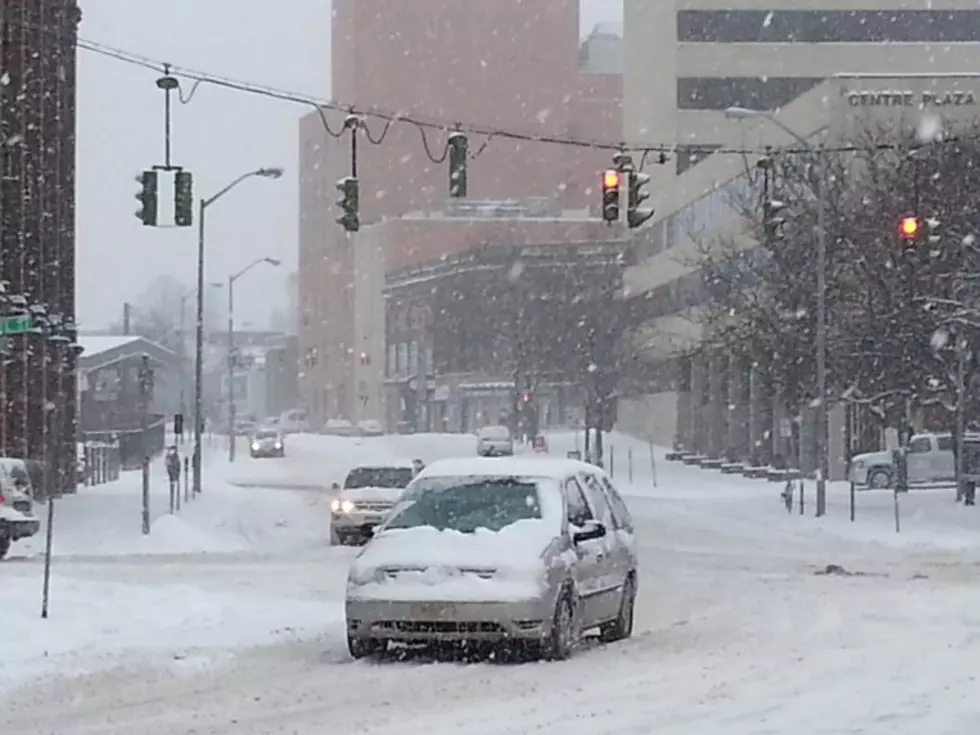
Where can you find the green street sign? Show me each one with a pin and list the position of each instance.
(16, 324)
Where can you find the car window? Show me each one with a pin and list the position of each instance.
(266, 435)
(598, 500)
(579, 512)
(620, 511)
(945, 443)
(495, 432)
(491, 503)
(919, 446)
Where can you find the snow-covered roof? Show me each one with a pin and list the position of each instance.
(95, 344)
(534, 465)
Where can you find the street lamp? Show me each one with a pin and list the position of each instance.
(742, 113)
(231, 347)
(267, 173)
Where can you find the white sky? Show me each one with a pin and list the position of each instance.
(218, 136)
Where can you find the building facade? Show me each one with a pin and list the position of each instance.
(504, 65)
(38, 40)
(817, 69)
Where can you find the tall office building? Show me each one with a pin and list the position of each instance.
(812, 64)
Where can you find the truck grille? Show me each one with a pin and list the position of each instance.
(22, 506)
(375, 507)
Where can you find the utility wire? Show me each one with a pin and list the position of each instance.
(426, 125)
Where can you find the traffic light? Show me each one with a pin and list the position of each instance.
(350, 220)
(184, 199)
(610, 195)
(365, 358)
(526, 398)
(148, 198)
(459, 147)
(909, 228)
(772, 220)
(635, 216)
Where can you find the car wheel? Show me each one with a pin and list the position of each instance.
(563, 636)
(622, 627)
(879, 479)
(365, 647)
(336, 539)
(4, 547)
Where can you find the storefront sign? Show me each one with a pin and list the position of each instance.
(892, 98)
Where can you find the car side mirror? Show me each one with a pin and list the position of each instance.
(591, 530)
(367, 531)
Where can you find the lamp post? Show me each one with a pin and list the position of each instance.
(231, 347)
(741, 113)
(268, 173)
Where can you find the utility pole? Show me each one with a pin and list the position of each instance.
(146, 389)
(231, 369)
(127, 318)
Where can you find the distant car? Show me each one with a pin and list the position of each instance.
(370, 427)
(494, 441)
(293, 422)
(338, 427)
(267, 443)
(532, 551)
(370, 492)
(17, 519)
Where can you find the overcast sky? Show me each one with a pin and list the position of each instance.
(218, 136)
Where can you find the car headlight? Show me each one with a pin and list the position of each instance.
(368, 575)
(255, 446)
(341, 506)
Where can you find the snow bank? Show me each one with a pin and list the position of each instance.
(96, 620)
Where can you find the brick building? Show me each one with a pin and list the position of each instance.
(509, 65)
(38, 40)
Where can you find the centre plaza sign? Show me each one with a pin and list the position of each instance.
(892, 98)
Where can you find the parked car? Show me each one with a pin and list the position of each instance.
(17, 519)
(531, 550)
(494, 441)
(294, 422)
(370, 427)
(369, 494)
(930, 459)
(267, 443)
(338, 427)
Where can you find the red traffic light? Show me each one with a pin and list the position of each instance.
(526, 398)
(908, 227)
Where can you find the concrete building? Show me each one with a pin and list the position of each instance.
(508, 65)
(686, 61)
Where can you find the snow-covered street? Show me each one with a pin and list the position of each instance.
(228, 619)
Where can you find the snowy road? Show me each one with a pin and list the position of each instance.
(736, 634)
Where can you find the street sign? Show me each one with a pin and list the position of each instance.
(16, 324)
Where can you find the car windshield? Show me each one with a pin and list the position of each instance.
(464, 506)
(266, 435)
(391, 477)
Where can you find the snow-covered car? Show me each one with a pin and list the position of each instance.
(17, 519)
(293, 422)
(494, 441)
(929, 457)
(267, 443)
(338, 427)
(370, 427)
(369, 493)
(526, 550)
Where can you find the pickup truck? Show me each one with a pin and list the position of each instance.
(930, 460)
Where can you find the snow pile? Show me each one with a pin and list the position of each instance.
(101, 620)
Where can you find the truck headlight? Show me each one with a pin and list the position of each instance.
(255, 446)
(341, 506)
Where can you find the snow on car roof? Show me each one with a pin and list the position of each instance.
(387, 464)
(527, 466)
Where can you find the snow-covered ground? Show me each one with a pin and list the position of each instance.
(228, 618)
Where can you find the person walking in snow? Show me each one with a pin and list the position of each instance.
(173, 469)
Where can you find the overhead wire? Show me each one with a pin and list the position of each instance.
(425, 125)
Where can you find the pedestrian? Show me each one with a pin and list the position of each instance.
(173, 469)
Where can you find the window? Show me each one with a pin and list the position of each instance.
(720, 93)
(618, 505)
(599, 501)
(828, 26)
(579, 512)
(945, 443)
(919, 446)
(384, 477)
